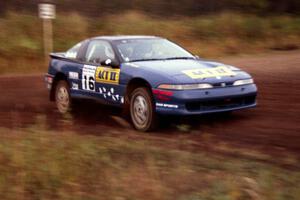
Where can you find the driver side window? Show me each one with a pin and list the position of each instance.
(99, 51)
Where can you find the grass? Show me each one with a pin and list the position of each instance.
(40, 164)
(36, 163)
(208, 36)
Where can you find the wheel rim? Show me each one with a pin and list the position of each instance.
(140, 110)
(62, 99)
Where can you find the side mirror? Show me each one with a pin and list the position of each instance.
(110, 63)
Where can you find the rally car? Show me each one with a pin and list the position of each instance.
(147, 76)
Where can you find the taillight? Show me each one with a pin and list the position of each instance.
(49, 79)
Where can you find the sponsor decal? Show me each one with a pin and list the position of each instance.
(166, 105)
(217, 72)
(107, 75)
(75, 86)
(73, 75)
(110, 94)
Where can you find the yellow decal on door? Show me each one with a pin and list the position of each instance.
(209, 73)
(107, 75)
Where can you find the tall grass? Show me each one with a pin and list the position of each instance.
(207, 36)
(40, 164)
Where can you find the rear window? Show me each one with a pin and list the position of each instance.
(72, 53)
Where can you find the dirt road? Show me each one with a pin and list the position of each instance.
(273, 127)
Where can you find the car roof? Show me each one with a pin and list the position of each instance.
(125, 37)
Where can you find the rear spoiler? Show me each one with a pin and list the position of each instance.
(62, 56)
(58, 55)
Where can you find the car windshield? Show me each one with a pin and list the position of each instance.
(150, 49)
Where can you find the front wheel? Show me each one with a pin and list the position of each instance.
(142, 110)
(62, 97)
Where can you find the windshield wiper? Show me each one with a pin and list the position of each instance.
(145, 59)
(177, 58)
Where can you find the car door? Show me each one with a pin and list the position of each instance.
(72, 67)
(99, 80)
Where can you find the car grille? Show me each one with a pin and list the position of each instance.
(220, 103)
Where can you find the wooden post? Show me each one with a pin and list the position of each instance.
(47, 13)
(48, 38)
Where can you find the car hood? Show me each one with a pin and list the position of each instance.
(176, 69)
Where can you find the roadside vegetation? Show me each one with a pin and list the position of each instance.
(40, 164)
(207, 35)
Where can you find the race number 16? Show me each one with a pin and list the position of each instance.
(88, 78)
(88, 83)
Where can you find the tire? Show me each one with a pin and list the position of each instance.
(62, 97)
(142, 110)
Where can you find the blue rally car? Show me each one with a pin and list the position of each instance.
(148, 76)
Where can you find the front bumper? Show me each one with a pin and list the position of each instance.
(196, 102)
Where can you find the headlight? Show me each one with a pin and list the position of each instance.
(243, 82)
(186, 86)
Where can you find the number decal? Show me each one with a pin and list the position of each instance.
(88, 83)
(92, 74)
(88, 80)
(91, 83)
(107, 80)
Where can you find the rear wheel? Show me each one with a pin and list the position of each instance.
(142, 110)
(62, 97)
